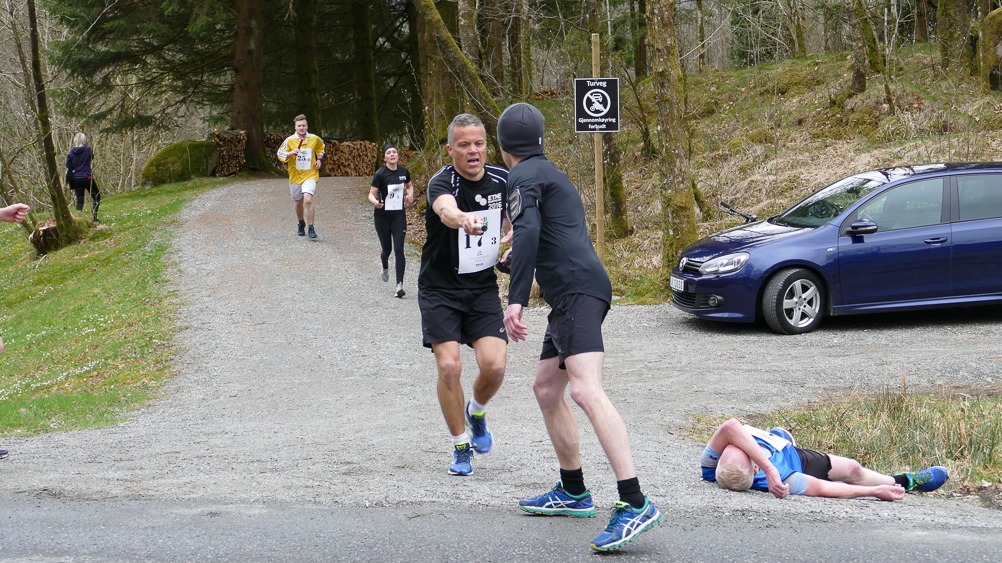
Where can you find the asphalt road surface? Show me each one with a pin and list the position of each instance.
(302, 424)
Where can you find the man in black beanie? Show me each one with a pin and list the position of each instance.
(551, 241)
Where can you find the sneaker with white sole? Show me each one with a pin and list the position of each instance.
(558, 502)
(480, 436)
(626, 524)
(400, 290)
(384, 274)
(462, 460)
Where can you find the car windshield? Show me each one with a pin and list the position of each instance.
(828, 202)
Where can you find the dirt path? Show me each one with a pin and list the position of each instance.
(302, 380)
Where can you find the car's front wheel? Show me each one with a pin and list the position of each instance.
(793, 301)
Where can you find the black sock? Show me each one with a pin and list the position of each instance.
(629, 492)
(573, 481)
(902, 479)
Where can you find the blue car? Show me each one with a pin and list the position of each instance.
(898, 239)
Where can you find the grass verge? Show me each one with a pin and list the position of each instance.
(89, 330)
(895, 430)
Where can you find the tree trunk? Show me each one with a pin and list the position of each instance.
(612, 177)
(413, 43)
(701, 61)
(484, 105)
(873, 51)
(492, 20)
(952, 22)
(69, 230)
(639, 20)
(248, 81)
(519, 51)
(365, 77)
(678, 212)
(307, 72)
(469, 39)
(858, 85)
(921, 12)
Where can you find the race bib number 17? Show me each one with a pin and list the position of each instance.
(480, 252)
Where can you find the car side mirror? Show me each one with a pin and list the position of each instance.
(862, 227)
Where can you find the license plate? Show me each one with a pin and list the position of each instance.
(677, 284)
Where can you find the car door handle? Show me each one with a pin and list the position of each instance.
(936, 240)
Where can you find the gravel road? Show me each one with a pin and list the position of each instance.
(301, 380)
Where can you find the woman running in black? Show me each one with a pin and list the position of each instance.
(387, 196)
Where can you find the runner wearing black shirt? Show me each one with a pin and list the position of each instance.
(457, 285)
(551, 241)
(391, 187)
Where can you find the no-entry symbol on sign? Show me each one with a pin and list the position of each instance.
(596, 105)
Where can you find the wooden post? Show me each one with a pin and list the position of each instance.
(599, 168)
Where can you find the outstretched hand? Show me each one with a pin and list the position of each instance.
(14, 213)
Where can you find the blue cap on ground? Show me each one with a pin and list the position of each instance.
(520, 130)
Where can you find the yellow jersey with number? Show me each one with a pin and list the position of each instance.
(303, 166)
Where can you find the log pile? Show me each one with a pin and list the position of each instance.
(271, 144)
(351, 158)
(232, 144)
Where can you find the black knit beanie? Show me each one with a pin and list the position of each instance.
(520, 130)
(387, 147)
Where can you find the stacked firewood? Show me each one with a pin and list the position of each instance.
(351, 158)
(271, 143)
(231, 143)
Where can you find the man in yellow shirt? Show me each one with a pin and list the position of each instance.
(303, 152)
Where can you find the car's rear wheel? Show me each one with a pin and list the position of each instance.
(793, 301)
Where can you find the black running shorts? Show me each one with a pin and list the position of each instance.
(460, 315)
(574, 327)
(816, 464)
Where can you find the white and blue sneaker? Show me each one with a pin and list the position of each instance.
(481, 437)
(462, 458)
(559, 502)
(626, 524)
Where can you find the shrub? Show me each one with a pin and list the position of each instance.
(180, 162)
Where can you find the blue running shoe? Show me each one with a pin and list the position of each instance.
(626, 524)
(782, 433)
(482, 439)
(928, 479)
(301, 231)
(462, 458)
(3, 454)
(312, 231)
(559, 502)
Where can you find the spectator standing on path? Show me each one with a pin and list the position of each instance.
(388, 197)
(457, 285)
(80, 175)
(550, 240)
(303, 152)
(14, 213)
(741, 457)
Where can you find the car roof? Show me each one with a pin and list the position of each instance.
(885, 175)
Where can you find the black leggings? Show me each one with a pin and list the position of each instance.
(391, 225)
(81, 184)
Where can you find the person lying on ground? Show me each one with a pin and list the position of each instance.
(741, 457)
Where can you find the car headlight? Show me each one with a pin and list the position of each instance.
(724, 264)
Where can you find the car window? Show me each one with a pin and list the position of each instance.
(821, 206)
(916, 204)
(979, 197)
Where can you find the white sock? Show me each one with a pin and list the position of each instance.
(475, 407)
(463, 438)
